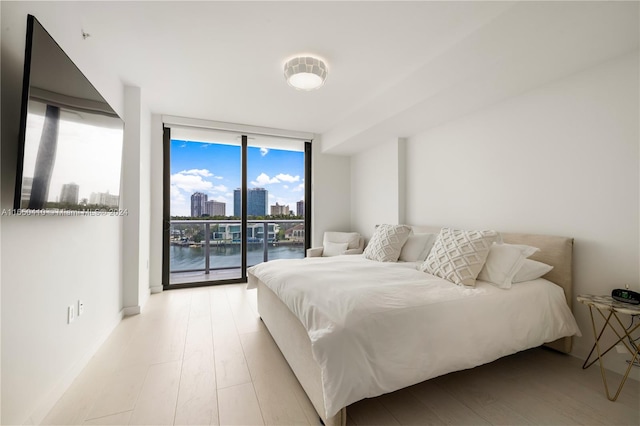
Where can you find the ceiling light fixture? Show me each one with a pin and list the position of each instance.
(305, 72)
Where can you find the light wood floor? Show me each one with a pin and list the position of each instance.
(202, 356)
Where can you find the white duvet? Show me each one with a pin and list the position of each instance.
(379, 327)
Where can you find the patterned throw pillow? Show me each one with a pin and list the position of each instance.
(458, 256)
(386, 243)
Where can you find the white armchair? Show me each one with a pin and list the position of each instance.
(336, 243)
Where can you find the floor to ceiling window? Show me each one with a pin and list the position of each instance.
(232, 200)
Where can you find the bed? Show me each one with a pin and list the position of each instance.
(360, 350)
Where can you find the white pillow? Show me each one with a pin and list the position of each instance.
(503, 261)
(458, 255)
(386, 243)
(352, 238)
(334, 249)
(417, 247)
(531, 270)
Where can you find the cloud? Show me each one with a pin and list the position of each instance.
(298, 188)
(264, 151)
(178, 202)
(220, 188)
(264, 179)
(197, 172)
(285, 186)
(176, 195)
(287, 178)
(190, 182)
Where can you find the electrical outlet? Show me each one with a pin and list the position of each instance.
(80, 307)
(71, 315)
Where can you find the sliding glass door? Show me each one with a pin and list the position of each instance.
(231, 201)
(205, 238)
(275, 199)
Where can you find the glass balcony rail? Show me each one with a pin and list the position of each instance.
(204, 245)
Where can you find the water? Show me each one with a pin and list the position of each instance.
(185, 258)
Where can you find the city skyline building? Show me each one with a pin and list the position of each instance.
(300, 208)
(104, 199)
(279, 210)
(257, 202)
(27, 184)
(69, 193)
(198, 204)
(215, 208)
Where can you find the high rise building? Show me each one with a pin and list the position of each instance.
(279, 210)
(104, 199)
(69, 193)
(198, 204)
(215, 208)
(257, 202)
(27, 184)
(300, 208)
(237, 211)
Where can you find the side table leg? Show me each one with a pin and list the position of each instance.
(597, 336)
(600, 354)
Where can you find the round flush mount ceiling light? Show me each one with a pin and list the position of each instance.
(305, 72)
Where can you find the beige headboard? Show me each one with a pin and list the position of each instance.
(557, 252)
(554, 251)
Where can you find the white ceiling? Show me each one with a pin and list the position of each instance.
(395, 68)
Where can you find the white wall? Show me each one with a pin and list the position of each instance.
(562, 159)
(49, 263)
(377, 187)
(131, 199)
(136, 200)
(331, 195)
(144, 231)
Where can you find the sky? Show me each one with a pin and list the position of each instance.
(214, 169)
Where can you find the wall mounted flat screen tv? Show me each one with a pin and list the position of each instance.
(70, 140)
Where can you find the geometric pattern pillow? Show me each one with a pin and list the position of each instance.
(386, 243)
(458, 256)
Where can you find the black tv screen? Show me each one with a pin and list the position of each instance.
(70, 147)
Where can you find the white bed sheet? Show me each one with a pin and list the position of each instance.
(379, 327)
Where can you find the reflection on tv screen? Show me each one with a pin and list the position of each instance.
(71, 159)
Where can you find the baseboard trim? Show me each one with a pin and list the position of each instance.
(144, 298)
(45, 406)
(156, 289)
(131, 310)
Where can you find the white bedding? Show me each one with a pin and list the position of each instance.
(379, 327)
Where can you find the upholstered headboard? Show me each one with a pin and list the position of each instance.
(555, 251)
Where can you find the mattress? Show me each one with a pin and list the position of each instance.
(378, 327)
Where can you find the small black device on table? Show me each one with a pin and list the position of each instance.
(626, 296)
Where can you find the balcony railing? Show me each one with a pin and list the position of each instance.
(215, 245)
